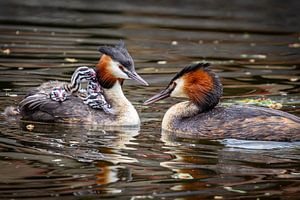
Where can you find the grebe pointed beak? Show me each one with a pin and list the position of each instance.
(136, 77)
(162, 95)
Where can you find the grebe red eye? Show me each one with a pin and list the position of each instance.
(121, 67)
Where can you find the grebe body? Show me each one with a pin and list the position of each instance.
(235, 121)
(115, 65)
(75, 111)
(202, 117)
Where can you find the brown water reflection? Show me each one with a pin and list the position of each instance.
(253, 46)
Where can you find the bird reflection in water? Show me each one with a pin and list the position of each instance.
(210, 168)
(100, 153)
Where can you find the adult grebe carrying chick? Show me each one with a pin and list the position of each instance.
(200, 117)
(114, 66)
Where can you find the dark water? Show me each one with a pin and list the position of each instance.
(254, 46)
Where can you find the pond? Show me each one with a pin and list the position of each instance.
(254, 47)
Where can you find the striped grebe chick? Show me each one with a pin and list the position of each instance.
(115, 65)
(60, 91)
(95, 97)
(58, 94)
(81, 74)
(92, 95)
(202, 117)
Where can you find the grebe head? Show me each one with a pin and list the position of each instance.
(116, 64)
(195, 82)
(58, 94)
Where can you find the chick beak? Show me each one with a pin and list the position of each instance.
(133, 75)
(162, 95)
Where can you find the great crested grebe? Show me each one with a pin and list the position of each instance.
(114, 66)
(61, 91)
(200, 117)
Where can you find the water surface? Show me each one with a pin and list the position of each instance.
(253, 46)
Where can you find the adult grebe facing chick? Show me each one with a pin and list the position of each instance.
(114, 66)
(200, 117)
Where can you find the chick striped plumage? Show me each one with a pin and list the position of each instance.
(94, 94)
(95, 98)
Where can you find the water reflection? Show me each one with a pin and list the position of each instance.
(83, 142)
(254, 47)
(219, 169)
(67, 158)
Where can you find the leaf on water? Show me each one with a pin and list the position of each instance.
(276, 106)
(218, 197)
(294, 45)
(71, 60)
(162, 62)
(265, 102)
(182, 176)
(174, 43)
(57, 160)
(30, 127)
(230, 189)
(6, 51)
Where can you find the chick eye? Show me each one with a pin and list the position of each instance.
(56, 94)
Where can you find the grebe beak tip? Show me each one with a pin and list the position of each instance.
(162, 95)
(138, 78)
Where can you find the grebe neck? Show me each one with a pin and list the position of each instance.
(115, 95)
(184, 109)
(122, 107)
(179, 111)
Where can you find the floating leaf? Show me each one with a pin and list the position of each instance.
(218, 197)
(162, 62)
(6, 51)
(71, 60)
(182, 176)
(174, 43)
(30, 127)
(235, 190)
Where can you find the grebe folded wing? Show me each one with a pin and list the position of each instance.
(45, 109)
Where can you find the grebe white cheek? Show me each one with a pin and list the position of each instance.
(178, 91)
